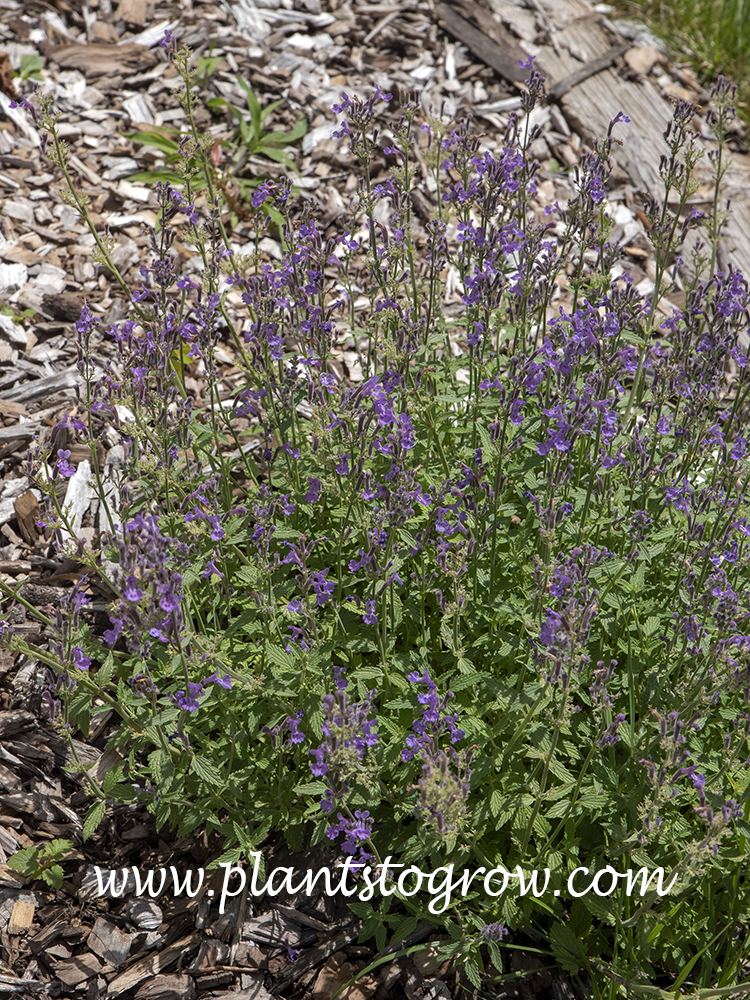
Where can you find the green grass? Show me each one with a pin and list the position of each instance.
(714, 33)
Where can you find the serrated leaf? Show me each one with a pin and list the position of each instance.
(473, 971)
(567, 949)
(53, 876)
(405, 926)
(93, 818)
(104, 675)
(367, 673)
(601, 907)
(206, 771)
(23, 859)
(311, 788)
(279, 657)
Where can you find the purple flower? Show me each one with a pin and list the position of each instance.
(346, 727)
(224, 681)
(432, 722)
(549, 629)
(370, 618)
(211, 570)
(188, 702)
(313, 492)
(132, 591)
(290, 725)
(292, 952)
(79, 660)
(323, 588)
(63, 466)
(354, 830)
(406, 432)
(494, 932)
(262, 193)
(319, 768)
(23, 102)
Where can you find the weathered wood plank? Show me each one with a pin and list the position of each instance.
(502, 57)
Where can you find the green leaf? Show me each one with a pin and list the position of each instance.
(104, 675)
(473, 971)
(277, 155)
(24, 860)
(311, 788)
(567, 949)
(271, 106)
(53, 876)
(280, 658)
(93, 818)
(404, 928)
(160, 140)
(207, 771)
(254, 109)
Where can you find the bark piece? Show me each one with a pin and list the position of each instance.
(102, 33)
(317, 955)
(27, 514)
(503, 58)
(179, 987)
(256, 991)
(132, 12)
(150, 966)
(335, 974)
(22, 916)
(78, 970)
(17, 987)
(78, 499)
(591, 68)
(110, 943)
(44, 386)
(144, 913)
(16, 721)
(643, 58)
(210, 954)
(63, 305)
(6, 76)
(101, 60)
(44, 938)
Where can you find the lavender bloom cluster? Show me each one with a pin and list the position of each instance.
(150, 583)
(445, 782)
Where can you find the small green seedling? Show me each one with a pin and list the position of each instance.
(42, 862)
(30, 67)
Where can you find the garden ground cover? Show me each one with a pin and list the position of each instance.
(558, 189)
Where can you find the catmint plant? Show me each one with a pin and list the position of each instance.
(484, 606)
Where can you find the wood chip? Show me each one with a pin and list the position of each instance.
(99, 59)
(78, 969)
(22, 916)
(501, 58)
(28, 513)
(44, 386)
(16, 987)
(152, 964)
(109, 942)
(179, 987)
